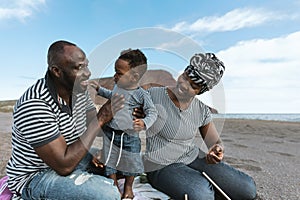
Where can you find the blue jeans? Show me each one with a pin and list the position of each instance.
(179, 179)
(81, 185)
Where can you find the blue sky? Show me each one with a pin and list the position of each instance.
(257, 40)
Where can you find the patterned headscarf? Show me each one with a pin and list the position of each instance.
(205, 70)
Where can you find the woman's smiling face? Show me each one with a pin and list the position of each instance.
(186, 88)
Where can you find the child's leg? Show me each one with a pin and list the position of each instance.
(114, 177)
(128, 192)
(132, 163)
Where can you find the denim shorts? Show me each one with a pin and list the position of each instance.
(131, 143)
(130, 163)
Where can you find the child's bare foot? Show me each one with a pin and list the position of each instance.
(128, 192)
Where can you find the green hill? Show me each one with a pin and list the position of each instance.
(7, 106)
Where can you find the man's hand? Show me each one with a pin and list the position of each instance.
(112, 106)
(138, 125)
(96, 160)
(215, 154)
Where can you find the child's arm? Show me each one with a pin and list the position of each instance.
(150, 115)
(138, 125)
(103, 92)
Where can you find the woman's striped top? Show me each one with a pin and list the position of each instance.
(171, 139)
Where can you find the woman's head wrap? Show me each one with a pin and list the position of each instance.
(206, 70)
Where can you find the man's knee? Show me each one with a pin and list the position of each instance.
(112, 194)
(96, 187)
(101, 190)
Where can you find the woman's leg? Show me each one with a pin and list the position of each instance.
(236, 184)
(176, 180)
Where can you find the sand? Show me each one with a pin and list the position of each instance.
(266, 150)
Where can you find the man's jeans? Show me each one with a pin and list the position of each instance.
(80, 185)
(176, 180)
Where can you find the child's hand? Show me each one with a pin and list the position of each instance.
(138, 124)
(94, 84)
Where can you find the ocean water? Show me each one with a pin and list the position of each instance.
(289, 117)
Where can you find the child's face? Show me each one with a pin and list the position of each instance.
(123, 77)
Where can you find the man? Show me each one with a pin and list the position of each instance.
(55, 124)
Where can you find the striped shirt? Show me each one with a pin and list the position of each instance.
(171, 139)
(39, 118)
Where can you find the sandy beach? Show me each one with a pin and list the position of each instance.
(267, 150)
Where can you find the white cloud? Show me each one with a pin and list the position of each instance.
(263, 75)
(233, 20)
(18, 9)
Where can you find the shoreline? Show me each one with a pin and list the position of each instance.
(266, 150)
(283, 117)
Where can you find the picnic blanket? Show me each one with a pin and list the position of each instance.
(144, 191)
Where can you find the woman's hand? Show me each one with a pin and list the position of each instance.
(138, 113)
(108, 110)
(215, 154)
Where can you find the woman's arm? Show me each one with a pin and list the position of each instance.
(213, 142)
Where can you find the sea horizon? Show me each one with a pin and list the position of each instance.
(288, 117)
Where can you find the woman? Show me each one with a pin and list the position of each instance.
(173, 161)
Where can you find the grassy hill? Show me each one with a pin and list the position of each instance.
(7, 106)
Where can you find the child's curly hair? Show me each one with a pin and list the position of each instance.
(136, 59)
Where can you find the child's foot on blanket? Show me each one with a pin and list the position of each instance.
(128, 193)
(127, 198)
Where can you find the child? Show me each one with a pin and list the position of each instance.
(122, 132)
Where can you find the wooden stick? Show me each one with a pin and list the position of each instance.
(215, 185)
(185, 197)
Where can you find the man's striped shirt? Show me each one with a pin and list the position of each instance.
(40, 117)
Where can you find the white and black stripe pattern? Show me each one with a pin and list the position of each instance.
(171, 139)
(39, 119)
(205, 70)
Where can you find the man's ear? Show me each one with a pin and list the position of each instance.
(55, 70)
